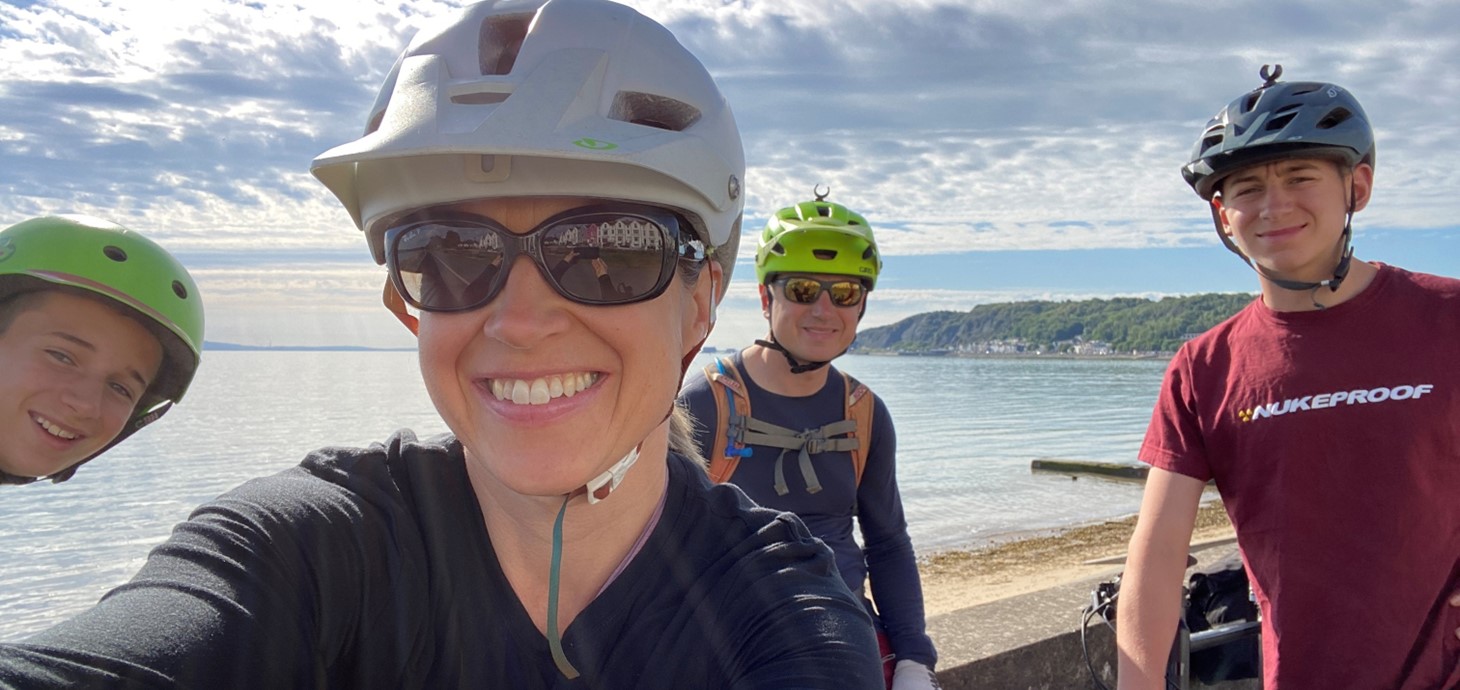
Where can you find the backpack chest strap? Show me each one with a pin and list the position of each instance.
(806, 443)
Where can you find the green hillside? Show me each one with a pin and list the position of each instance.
(1097, 326)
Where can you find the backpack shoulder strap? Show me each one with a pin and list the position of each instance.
(859, 409)
(732, 409)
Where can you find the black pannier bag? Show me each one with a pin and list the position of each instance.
(1219, 594)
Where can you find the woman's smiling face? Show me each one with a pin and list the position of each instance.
(545, 393)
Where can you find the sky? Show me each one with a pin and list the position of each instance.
(1003, 150)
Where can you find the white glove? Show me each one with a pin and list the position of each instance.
(911, 675)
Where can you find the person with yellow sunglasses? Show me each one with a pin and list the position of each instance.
(819, 443)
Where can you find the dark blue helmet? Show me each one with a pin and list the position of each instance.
(1280, 120)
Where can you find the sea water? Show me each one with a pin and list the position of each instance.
(967, 429)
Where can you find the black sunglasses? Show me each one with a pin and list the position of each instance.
(803, 290)
(598, 255)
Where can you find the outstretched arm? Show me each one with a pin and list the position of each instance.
(241, 595)
(1150, 590)
(802, 629)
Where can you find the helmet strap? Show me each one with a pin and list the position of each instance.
(132, 427)
(555, 640)
(797, 366)
(597, 489)
(7, 478)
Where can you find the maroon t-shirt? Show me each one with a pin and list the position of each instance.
(1334, 439)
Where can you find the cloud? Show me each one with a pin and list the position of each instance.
(984, 125)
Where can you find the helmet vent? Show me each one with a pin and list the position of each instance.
(1251, 101)
(1310, 88)
(1279, 122)
(114, 253)
(651, 110)
(1334, 118)
(179, 290)
(501, 41)
(479, 98)
(823, 211)
(374, 123)
(824, 254)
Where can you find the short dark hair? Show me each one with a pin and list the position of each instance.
(17, 303)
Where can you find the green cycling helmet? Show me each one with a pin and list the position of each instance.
(116, 263)
(818, 237)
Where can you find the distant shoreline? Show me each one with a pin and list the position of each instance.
(238, 347)
(209, 345)
(1014, 355)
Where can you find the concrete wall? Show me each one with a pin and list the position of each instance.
(1032, 641)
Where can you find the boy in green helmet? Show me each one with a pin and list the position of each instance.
(100, 330)
(817, 443)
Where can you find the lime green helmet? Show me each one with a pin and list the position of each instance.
(818, 237)
(120, 265)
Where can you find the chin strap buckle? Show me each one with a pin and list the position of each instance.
(601, 486)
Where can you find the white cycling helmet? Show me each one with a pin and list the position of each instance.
(535, 98)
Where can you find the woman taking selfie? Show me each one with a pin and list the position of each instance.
(561, 536)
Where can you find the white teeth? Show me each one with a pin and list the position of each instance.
(540, 391)
(54, 430)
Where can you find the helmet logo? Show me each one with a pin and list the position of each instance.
(734, 187)
(7, 248)
(595, 144)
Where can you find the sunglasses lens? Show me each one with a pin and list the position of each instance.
(594, 257)
(607, 258)
(802, 290)
(447, 266)
(846, 293)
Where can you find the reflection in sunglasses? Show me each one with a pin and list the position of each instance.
(594, 255)
(844, 293)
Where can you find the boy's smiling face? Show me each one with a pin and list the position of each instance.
(75, 370)
(1289, 215)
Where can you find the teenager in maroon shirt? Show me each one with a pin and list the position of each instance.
(1327, 411)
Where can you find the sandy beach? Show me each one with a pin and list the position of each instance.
(957, 579)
